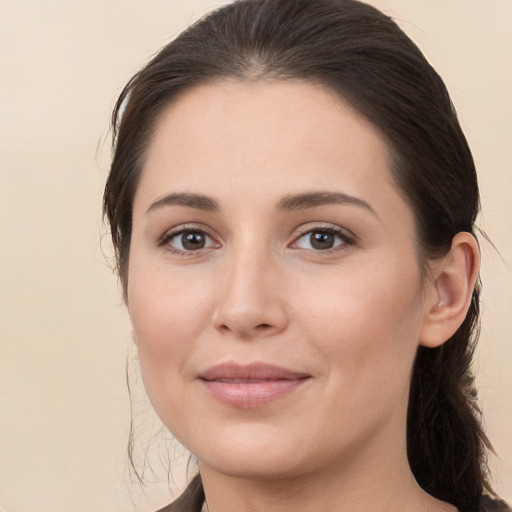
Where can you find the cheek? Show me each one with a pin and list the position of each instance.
(166, 313)
(167, 317)
(367, 324)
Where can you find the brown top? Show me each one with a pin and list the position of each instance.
(487, 505)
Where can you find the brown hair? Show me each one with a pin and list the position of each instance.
(361, 54)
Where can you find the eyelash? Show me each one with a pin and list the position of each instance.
(169, 236)
(346, 239)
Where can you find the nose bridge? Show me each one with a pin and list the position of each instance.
(248, 302)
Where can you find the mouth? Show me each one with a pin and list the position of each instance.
(250, 386)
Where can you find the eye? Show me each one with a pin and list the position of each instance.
(188, 240)
(322, 239)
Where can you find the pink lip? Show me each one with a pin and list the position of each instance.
(249, 386)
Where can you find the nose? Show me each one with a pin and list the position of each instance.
(250, 302)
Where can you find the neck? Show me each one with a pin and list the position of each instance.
(359, 483)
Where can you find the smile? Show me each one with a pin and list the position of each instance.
(250, 386)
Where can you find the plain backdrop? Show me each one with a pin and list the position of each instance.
(64, 335)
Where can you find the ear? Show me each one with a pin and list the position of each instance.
(450, 290)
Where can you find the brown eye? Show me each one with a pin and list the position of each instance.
(189, 241)
(323, 239)
(193, 240)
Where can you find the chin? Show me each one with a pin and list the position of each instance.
(253, 466)
(259, 452)
(249, 451)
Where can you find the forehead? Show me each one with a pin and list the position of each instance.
(265, 136)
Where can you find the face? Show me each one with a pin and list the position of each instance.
(274, 287)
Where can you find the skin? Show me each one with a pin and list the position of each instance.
(350, 317)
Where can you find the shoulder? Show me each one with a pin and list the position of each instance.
(493, 505)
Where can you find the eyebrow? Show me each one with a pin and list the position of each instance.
(289, 202)
(190, 200)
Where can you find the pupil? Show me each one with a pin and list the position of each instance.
(193, 241)
(322, 240)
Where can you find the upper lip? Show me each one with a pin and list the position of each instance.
(250, 372)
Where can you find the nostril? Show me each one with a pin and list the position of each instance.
(257, 328)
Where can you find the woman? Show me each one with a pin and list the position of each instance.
(292, 204)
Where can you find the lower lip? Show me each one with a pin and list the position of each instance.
(252, 394)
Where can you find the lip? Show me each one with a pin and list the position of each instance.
(250, 385)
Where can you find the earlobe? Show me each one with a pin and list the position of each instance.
(450, 291)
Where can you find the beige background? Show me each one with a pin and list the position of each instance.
(64, 409)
